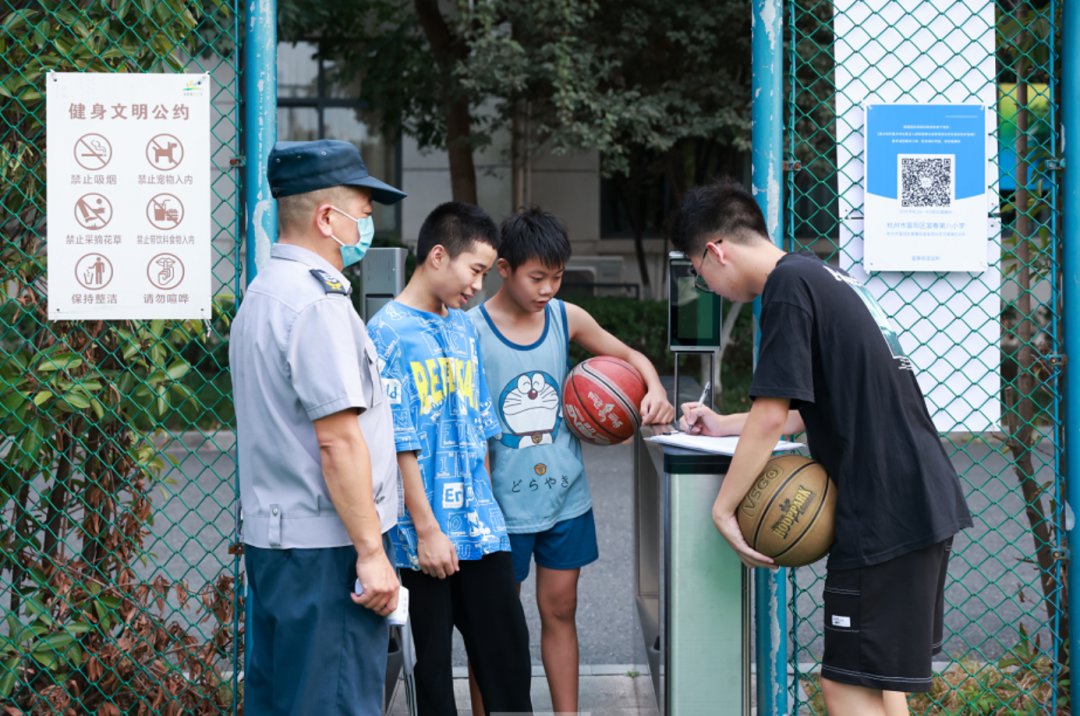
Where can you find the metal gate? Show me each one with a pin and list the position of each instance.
(117, 581)
(997, 401)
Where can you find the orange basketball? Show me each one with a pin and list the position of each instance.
(788, 514)
(601, 398)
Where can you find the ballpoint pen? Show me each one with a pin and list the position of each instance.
(705, 392)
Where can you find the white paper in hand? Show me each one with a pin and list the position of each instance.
(400, 615)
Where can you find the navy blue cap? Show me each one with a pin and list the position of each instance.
(300, 167)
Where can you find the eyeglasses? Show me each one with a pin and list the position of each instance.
(699, 281)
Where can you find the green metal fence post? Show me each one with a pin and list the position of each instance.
(260, 128)
(260, 133)
(767, 90)
(1070, 101)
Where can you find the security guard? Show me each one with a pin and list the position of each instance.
(318, 477)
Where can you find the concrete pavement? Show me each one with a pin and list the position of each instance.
(993, 587)
(603, 692)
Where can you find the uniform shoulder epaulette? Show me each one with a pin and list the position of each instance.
(331, 284)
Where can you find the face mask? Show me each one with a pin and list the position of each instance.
(352, 253)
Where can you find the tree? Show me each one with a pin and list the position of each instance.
(79, 406)
(666, 101)
(660, 90)
(407, 59)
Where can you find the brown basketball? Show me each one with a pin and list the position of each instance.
(601, 398)
(789, 512)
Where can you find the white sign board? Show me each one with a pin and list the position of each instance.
(926, 205)
(128, 196)
(906, 51)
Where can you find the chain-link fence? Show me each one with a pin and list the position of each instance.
(116, 486)
(983, 341)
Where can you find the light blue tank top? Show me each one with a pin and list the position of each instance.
(536, 466)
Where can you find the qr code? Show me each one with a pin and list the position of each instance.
(926, 181)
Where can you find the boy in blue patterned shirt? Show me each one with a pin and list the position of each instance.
(451, 544)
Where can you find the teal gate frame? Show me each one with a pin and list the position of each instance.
(1006, 625)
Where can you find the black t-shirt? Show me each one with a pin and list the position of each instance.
(828, 347)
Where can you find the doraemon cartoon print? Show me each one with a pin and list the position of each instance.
(530, 407)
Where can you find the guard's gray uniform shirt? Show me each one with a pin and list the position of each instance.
(298, 351)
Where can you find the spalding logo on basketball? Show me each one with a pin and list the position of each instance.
(601, 398)
(788, 514)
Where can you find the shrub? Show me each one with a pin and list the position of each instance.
(642, 325)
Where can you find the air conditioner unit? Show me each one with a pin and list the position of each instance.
(595, 276)
(579, 275)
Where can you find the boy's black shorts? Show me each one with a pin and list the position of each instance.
(883, 623)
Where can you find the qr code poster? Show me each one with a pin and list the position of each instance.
(926, 200)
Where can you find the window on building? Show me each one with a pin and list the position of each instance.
(650, 202)
(311, 105)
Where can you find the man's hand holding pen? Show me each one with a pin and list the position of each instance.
(697, 418)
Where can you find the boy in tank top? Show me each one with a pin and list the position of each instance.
(537, 471)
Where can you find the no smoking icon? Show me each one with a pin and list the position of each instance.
(164, 152)
(93, 151)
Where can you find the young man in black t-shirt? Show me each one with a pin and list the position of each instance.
(830, 362)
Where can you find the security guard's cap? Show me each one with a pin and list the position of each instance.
(300, 167)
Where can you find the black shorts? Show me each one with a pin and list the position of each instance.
(883, 623)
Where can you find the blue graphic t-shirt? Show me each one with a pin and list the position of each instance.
(442, 410)
(536, 465)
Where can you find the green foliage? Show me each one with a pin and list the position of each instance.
(642, 325)
(101, 648)
(642, 75)
(974, 688)
(80, 403)
(648, 81)
(379, 46)
(661, 90)
(969, 687)
(85, 36)
(207, 394)
(79, 406)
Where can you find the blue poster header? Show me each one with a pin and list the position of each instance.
(912, 129)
